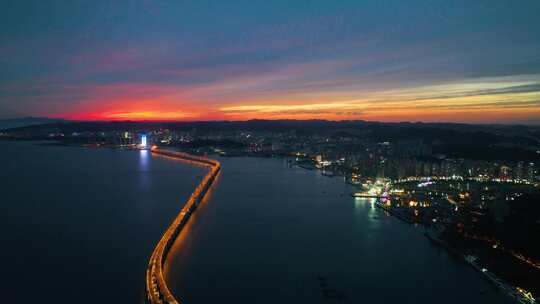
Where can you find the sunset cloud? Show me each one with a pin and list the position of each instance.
(187, 61)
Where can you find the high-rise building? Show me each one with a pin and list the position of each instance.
(143, 141)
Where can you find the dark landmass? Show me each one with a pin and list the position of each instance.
(482, 180)
(504, 142)
(26, 121)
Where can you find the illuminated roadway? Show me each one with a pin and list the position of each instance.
(156, 287)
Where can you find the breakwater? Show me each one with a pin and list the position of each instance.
(156, 287)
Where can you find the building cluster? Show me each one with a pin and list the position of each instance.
(339, 153)
(410, 178)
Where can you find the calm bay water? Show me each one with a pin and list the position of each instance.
(79, 225)
(274, 234)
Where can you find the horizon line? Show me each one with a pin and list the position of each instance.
(67, 120)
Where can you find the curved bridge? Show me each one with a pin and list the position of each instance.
(156, 287)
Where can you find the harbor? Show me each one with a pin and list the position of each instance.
(391, 199)
(332, 247)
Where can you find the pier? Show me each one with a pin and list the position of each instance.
(157, 291)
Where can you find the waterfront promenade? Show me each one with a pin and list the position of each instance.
(157, 290)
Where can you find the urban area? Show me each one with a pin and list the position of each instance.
(475, 190)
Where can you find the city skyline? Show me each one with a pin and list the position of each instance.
(437, 62)
(256, 151)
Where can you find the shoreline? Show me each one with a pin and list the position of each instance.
(161, 288)
(511, 292)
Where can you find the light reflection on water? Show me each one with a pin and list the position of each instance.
(90, 215)
(366, 205)
(145, 178)
(367, 212)
(144, 160)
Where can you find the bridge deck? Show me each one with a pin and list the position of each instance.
(156, 287)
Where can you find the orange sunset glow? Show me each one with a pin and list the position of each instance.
(335, 66)
(496, 99)
(282, 151)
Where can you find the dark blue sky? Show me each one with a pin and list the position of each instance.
(474, 61)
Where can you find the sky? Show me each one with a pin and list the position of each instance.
(453, 61)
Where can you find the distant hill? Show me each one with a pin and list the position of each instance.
(504, 142)
(26, 121)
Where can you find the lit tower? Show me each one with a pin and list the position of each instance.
(143, 141)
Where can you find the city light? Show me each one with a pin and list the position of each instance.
(363, 145)
(156, 286)
(143, 141)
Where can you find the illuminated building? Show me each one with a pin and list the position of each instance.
(143, 141)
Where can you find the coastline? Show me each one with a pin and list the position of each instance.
(162, 288)
(511, 292)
